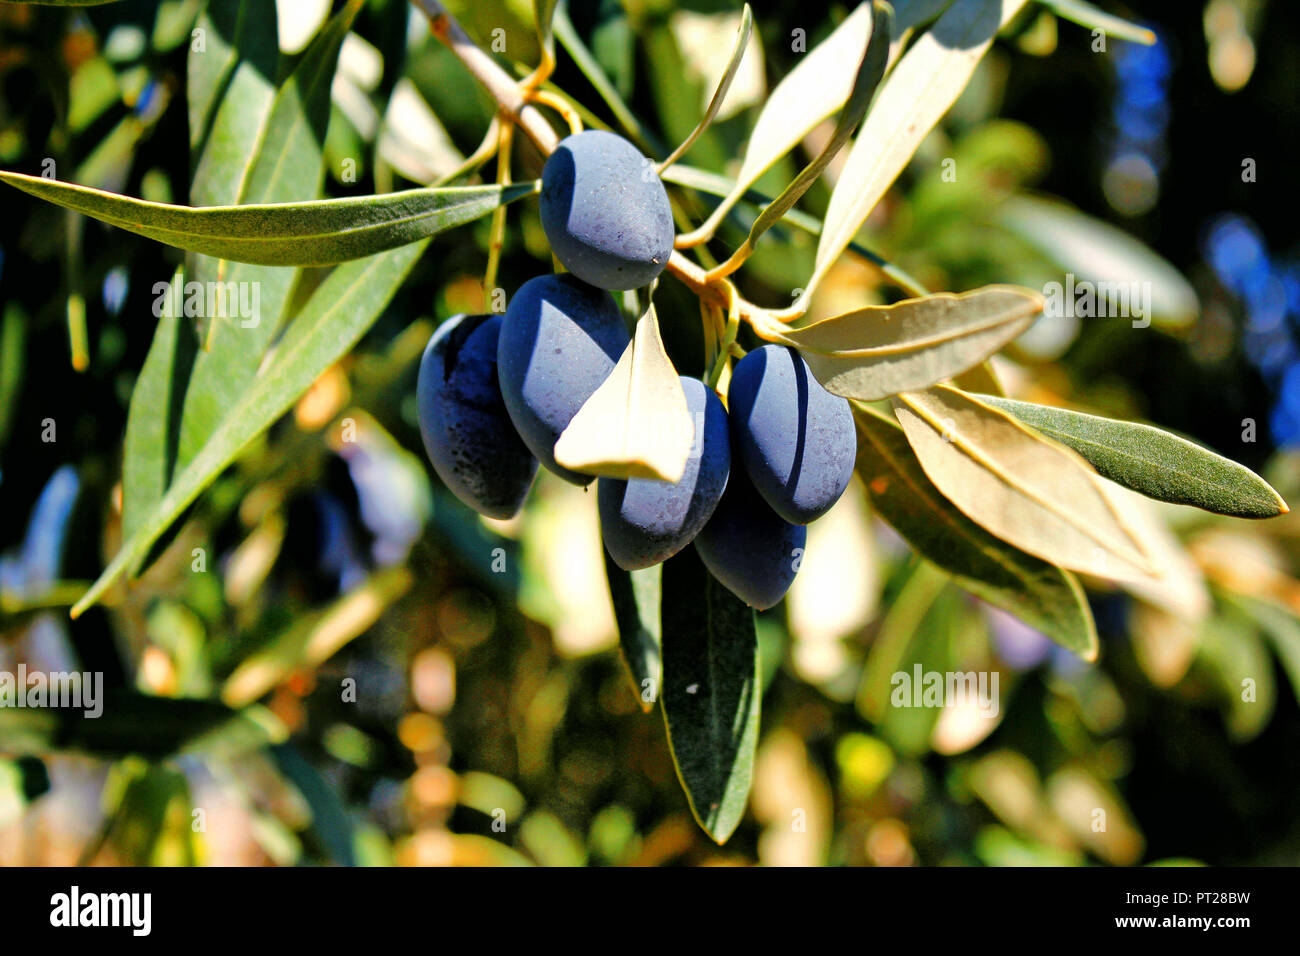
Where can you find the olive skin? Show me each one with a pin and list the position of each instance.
(605, 211)
(560, 340)
(644, 521)
(796, 439)
(749, 548)
(466, 429)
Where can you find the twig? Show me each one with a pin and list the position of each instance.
(509, 95)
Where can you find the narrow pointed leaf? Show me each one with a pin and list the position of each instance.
(153, 421)
(288, 166)
(1126, 275)
(817, 87)
(868, 76)
(1158, 464)
(711, 693)
(882, 350)
(920, 90)
(331, 322)
(1039, 593)
(317, 233)
(720, 92)
(636, 599)
(1025, 488)
(637, 424)
(1087, 15)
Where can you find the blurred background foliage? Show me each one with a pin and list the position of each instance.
(358, 670)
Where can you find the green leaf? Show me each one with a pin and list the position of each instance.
(713, 184)
(1156, 463)
(1086, 15)
(586, 62)
(315, 233)
(154, 420)
(636, 599)
(1232, 651)
(266, 145)
(62, 3)
(817, 87)
(1281, 628)
(637, 424)
(914, 632)
(1039, 593)
(879, 351)
(1123, 271)
(133, 723)
(920, 90)
(719, 92)
(1025, 488)
(331, 322)
(870, 71)
(288, 165)
(711, 693)
(230, 85)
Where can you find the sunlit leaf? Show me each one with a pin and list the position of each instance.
(711, 693)
(868, 76)
(720, 92)
(338, 313)
(316, 233)
(818, 86)
(1086, 15)
(879, 351)
(637, 424)
(1127, 275)
(1153, 461)
(1025, 488)
(919, 91)
(1039, 593)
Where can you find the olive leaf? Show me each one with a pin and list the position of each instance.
(132, 723)
(587, 63)
(1148, 459)
(1025, 488)
(869, 73)
(314, 233)
(712, 692)
(915, 631)
(1039, 593)
(812, 91)
(878, 351)
(920, 90)
(720, 92)
(637, 424)
(1128, 275)
(181, 396)
(331, 322)
(636, 596)
(1086, 15)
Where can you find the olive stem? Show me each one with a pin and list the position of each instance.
(510, 97)
(512, 100)
(497, 236)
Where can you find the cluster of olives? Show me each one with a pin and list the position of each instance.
(495, 394)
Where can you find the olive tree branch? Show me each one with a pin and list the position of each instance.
(512, 102)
